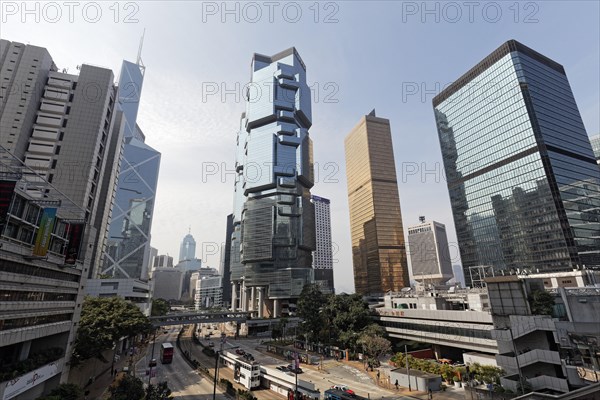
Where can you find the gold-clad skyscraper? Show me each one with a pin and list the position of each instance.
(378, 250)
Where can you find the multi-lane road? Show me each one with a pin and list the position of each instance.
(188, 384)
(185, 383)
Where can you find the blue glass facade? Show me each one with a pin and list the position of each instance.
(127, 249)
(273, 224)
(187, 250)
(522, 178)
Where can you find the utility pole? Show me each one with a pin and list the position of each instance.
(407, 369)
(152, 356)
(215, 380)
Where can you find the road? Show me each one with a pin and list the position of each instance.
(185, 383)
(188, 384)
(333, 372)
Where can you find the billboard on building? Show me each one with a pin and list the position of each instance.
(42, 240)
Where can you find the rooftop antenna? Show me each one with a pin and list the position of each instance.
(422, 219)
(139, 56)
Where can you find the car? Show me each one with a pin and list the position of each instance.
(207, 336)
(344, 388)
(152, 363)
(340, 387)
(240, 352)
(248, 357)
(291, 368)
(165, 331)
(211, 344)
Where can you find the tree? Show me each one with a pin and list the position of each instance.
(67, 391)
(160, 307)
(159, 392)
(104, 321)
(127, 388)
(309, 306)
(349, 316)
(374, 346)
(541, 302)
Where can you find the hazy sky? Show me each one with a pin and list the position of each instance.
(391, 56)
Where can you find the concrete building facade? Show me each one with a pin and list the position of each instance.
(208, 292)
(548, 346)
(429, 253)
(58, 168)
(163, 261)
(323, 255)
(168, 283)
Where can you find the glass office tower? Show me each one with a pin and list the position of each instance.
(274, 223)
(127, 250)
(187, 250)
(523, 181)
(378, 250)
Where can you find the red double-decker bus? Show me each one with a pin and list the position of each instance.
(166, 353)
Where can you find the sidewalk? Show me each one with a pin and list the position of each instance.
(103, 380)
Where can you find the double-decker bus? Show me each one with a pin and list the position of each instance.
(166, 353)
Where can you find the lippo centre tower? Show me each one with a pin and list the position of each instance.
(274, 222)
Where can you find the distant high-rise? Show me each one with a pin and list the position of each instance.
(378, 251)
(323, 255)
(163, 261)
(429, 254)
(522, 177)
(274, 233)
(595, 141)
(187, 250)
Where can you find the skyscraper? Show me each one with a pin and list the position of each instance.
(323, 255)
(378, 251)
(429, 254)
(522, 177)
(225, 270)
(187, 251)
(274, 232)
(127, 241)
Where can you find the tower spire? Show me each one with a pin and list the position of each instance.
(139, 56)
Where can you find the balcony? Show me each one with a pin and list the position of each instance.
(508, 360)
(523, 325)
(543, 382)
(549, 382)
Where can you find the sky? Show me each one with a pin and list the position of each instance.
(392, 56)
